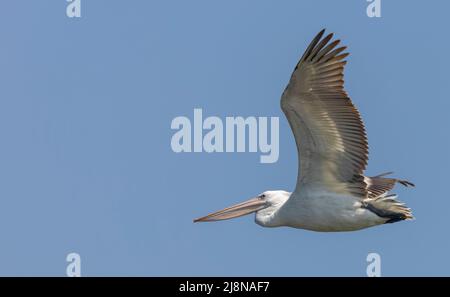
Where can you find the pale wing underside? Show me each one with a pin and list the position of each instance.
(328, 130)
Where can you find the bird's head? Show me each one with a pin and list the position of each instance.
(265, 205)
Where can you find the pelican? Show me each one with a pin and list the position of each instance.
(331, 193)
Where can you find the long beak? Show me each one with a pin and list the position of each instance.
(234, 211)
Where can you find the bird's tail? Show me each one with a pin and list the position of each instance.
(390, 208)
(382, 204)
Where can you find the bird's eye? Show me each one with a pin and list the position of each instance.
(262, 196)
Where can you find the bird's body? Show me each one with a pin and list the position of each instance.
(332, 194)
(320, 211)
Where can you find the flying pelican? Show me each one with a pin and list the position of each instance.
(331, 194)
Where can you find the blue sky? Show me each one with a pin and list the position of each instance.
(85, 112)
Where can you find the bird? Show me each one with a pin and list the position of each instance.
(332, 194)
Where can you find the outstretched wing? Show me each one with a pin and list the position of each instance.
(380, 185)
(328, 130)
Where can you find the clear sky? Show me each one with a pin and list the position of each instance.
(86, 106)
